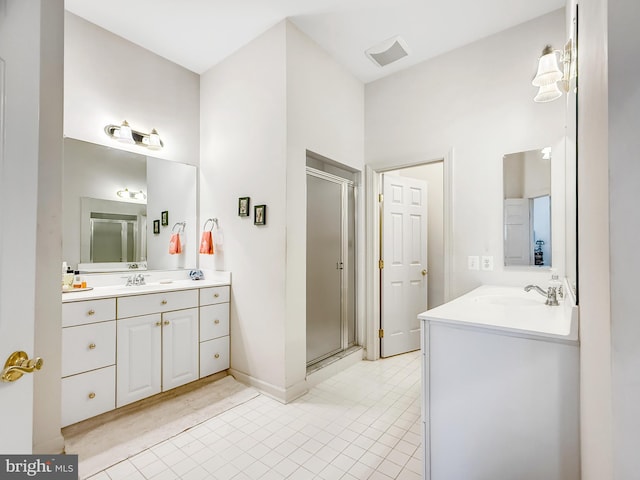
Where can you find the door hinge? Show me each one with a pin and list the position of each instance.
(380, 264)
(380, 333)
(380, 198)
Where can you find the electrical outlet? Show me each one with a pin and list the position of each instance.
(473, 262)
(487, 262)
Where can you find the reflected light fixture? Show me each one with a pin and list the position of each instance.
(130, 195)
(125, 134)
(546, 153)
(550, 79)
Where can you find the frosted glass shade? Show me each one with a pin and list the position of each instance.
(154, 140)
(547, 93)
(548, 71)
(124, 133)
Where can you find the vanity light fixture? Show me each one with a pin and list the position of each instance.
(129, 195)
(124, 133)
(550, 80)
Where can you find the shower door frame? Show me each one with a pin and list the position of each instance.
(344, 260)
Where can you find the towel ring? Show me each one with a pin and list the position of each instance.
(213, 221)
(180, 225)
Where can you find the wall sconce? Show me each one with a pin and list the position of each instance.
(550, 79)
(123, 133)
(129, 195)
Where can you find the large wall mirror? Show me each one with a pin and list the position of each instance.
(111, 198)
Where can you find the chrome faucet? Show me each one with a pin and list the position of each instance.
(551, 294)
(135, 279)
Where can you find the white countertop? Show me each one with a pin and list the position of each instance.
(155, 284)
(509, 310)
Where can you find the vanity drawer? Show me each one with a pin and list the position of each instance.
(214, 356)
(156, 303)
(87, 347)
(88, 394)
(88, 311)
(214, 321)
(211, 295)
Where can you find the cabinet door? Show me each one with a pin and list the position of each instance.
(138, 358)
(179, 348)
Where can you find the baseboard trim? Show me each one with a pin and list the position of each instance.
(283, 395)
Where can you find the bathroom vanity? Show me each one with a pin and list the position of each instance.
(121, 344)
(500, 387)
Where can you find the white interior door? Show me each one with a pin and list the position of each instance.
(517, 234)
(404, 256)
(19, 129)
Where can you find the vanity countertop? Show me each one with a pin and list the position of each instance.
(154, 285)
(510, 311)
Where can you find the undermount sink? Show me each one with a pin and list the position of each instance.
(508, 301)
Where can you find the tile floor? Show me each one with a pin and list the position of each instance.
(363, 423)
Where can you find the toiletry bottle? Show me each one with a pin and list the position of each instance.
(77, 283)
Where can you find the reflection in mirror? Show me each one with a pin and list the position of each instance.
(527, 208)
(105, 231)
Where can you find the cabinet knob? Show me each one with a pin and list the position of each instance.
(91, 312)
(92, 346)
(216, 295)
(166, 322)
(158, 324)
(216, 321)
(217, 355)
(92, 395)
(163, 302)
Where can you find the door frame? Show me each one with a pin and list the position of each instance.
(372, 238)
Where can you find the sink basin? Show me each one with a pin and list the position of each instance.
(508, 301)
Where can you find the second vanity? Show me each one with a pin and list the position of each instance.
(121, 344)
(500, 383)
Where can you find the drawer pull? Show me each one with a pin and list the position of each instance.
(163, 302)
(91, 312)
(92, 395)
(216, 295)
(217, 355)
(158, 324)
(216, 321)
(166, 322)
(92, 346)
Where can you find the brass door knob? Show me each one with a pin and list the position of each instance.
(217, 355)
(18, 364)
(424, 273)
(216, 295)
(92, 395)
(166, 322)
(216, 321)
(92, 346)
(158, 324)
(163, 302)
(91, 312)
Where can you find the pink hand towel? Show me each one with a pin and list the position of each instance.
(206, 243)
(174, 244)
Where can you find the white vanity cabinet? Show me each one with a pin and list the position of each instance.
(88, 359)
(123, 345)
(214, 330)
(157, 343)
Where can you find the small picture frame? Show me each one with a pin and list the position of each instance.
(156, 227)
(243, 206)
(260, 215)
(165, 218)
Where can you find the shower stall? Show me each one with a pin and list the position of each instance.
(331, 277)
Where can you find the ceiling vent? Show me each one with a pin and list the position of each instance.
(387, 52)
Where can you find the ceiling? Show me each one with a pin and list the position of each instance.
(198, 34)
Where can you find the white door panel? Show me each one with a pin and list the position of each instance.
(517, 234)
(404, 252)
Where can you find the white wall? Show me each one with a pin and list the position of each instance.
(243, 153)
(325, 111)
(108, 79)
(624, 224)
(477, 100)
(255, 136)
(593, 235)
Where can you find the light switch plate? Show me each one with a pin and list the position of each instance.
(473, 262)
(487, 262)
